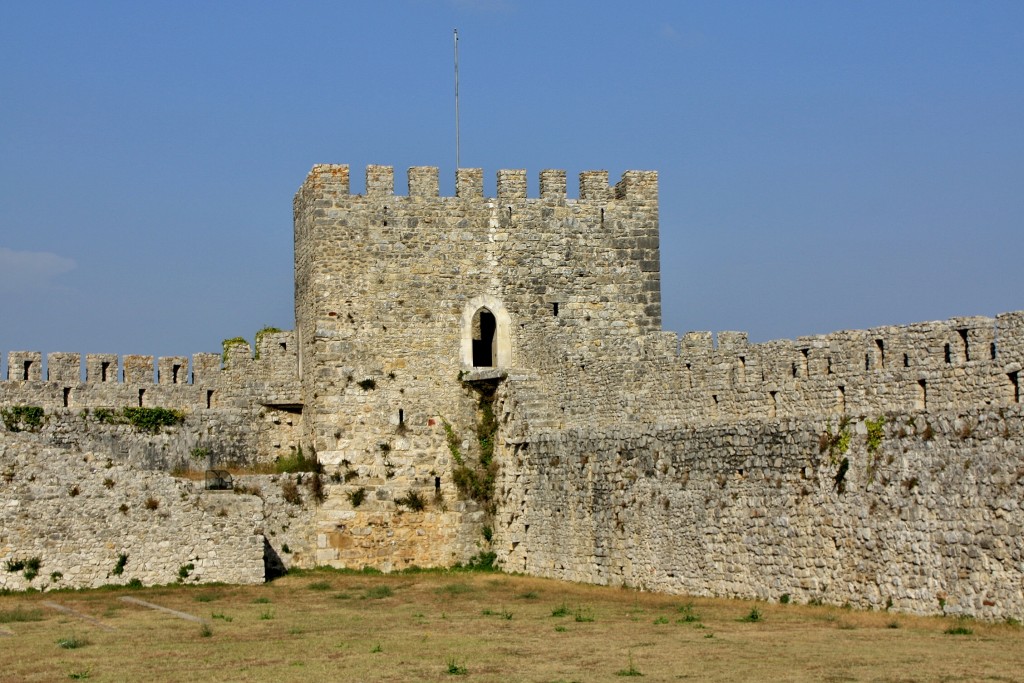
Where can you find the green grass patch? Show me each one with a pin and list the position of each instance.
(18, 614)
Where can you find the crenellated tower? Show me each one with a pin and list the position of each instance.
(410, 308)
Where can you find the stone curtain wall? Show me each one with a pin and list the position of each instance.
(929, 521)
(247, 412)
(78, 512)
(925, 367)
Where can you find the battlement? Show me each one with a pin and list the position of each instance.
(926, 346)
(333, 181)
(105, 368)
(964, 362)
(202, 382)
(273, 348)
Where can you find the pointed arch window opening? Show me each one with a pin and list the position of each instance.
(486, 334)
(484, 338)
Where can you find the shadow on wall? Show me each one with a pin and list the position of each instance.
(273, 565)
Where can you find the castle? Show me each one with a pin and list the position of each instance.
(486, 377)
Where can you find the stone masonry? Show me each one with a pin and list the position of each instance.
(882, 467)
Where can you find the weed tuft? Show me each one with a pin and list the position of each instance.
(560, 611)
(119, 566)
(753, 616)
(631, 670)
(378, 592)
(412, 500)
(454, 668)
(290, 492)
(356, 497)
(584, 616)
(72, 643)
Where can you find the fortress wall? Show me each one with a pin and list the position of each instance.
(930, 521)
(934, 366)
(66, 509)
(250, 411)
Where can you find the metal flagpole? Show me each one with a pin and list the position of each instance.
(457, 160)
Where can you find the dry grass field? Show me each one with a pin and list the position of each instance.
(477, 626)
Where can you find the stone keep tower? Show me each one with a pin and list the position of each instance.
(409, 309)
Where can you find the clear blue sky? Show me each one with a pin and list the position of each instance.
(823, 165)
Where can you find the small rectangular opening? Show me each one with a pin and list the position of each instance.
(841, 399)
(1015, 386)
(967, 346)
(922, 394)
(284, 346)
(209, 398)
(946, 353)
(793, 369)
(174, 373)
(26, 367)
(829, 369)
(554, 308)
(880, 345)
(401, 416)
(906, 360)
(67, 396)
(867, 361)
(104, 366)
(142, 393)
(992, 350)
(774, 407)
(806, 353)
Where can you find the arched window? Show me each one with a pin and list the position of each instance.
(483, 339)
(486, 334)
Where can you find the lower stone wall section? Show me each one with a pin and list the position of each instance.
(79, 512)
(919, 514)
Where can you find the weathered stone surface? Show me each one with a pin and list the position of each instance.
(626, 454)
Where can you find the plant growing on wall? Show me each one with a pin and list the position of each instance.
(152, 419)
(296, 461)
(876, 432)
(357, 497)
(475, 480)
(412, 500)
(259, 337)
(32, 566)
(316, 488)
(836, 444)
(227, 344)
(22, 418)
(454, 443)
(290, 492)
